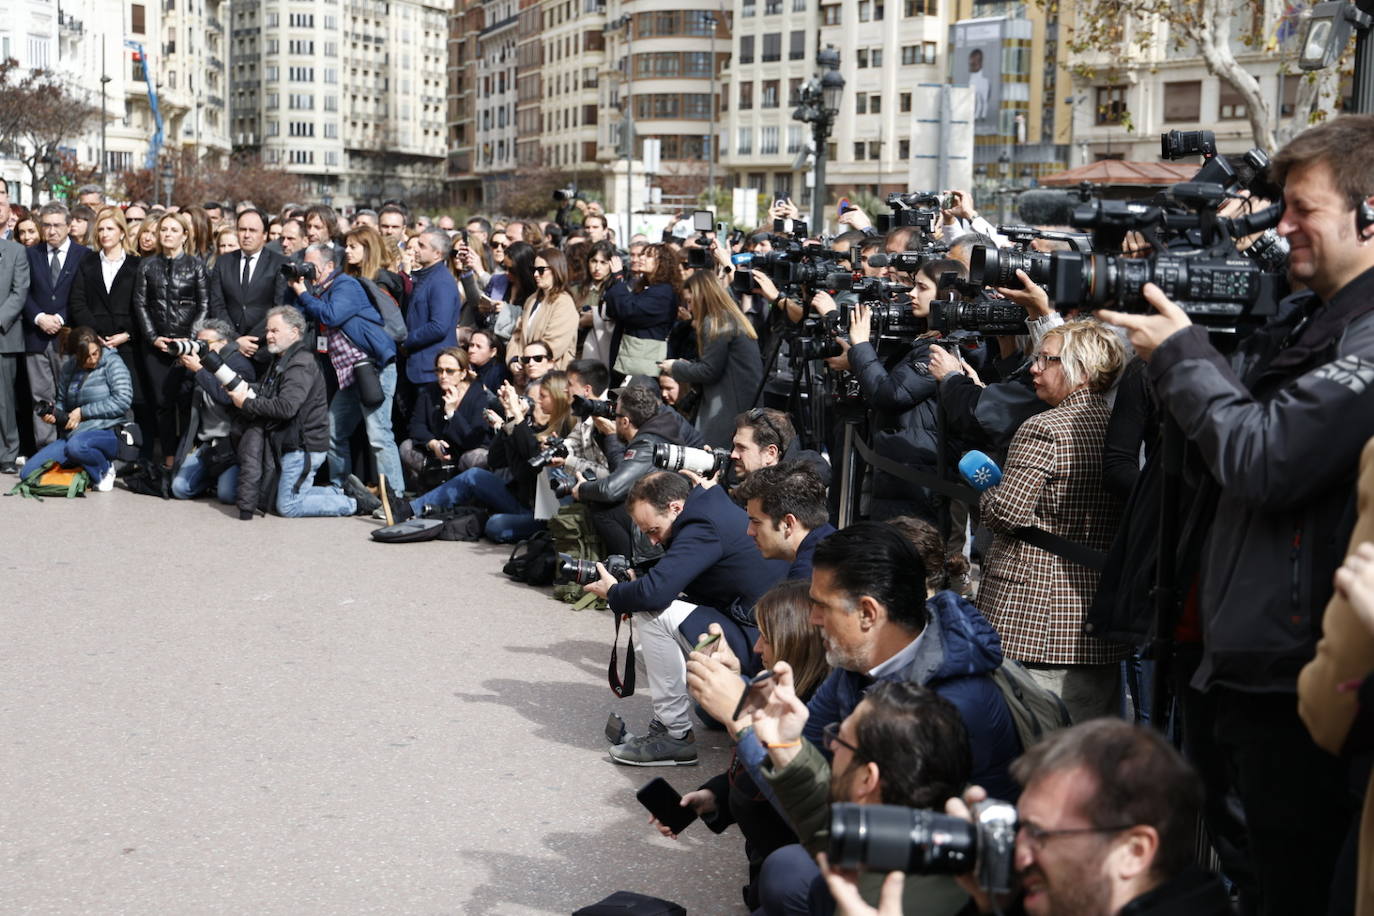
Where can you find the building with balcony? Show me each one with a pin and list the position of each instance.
(573, 33)
(497, 95)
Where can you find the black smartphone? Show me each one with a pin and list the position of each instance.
(749, 691)
(665, 804)
(615, 729)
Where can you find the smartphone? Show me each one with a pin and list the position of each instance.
(751, 691)
(703, 220)
(706, 641)
(615, 729)
(722, 228)
(665, 803)
(950, 201)
(845, 206)
(779, 203)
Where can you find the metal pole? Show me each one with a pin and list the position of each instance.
(629, 125)
(104, 79)
(711, 148)
(819, 135)
(1364, 69)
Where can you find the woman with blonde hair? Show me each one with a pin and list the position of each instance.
(226, 240)
(1052, 480)
(729, 367)
(144, 237)
(102, 295)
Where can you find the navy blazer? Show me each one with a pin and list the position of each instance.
(708, 558)
(44, 297)
(432, 317)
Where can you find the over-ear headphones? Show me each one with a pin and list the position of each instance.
(1364, 217)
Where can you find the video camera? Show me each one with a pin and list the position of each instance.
(699, 255)
(885, 838)
(920, 209)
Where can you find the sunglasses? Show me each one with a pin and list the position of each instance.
(531, 359)
(539, 270)
(445, 370)
(498, 244)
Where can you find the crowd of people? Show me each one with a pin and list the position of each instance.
(903, 648)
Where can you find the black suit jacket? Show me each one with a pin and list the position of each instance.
(246, 309)
(44, 297)
(108, 313)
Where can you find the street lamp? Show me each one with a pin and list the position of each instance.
(1327, 32)
(819, 104)
(628, 134)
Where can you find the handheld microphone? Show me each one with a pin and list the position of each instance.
(980, 471)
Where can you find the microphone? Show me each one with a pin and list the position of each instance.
(980, 471)
(1044, 207)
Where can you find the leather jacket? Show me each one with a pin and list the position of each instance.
(170, 295)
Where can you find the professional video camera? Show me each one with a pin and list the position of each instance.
(700, 461)
(790, 265)
(554, 447)
(582, 572)
(298, 270)
(885, 838)
(585, 407)
(920, 209)
(699, 255)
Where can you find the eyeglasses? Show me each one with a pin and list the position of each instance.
(538, 358)
(1043, 360)
(760, 415)
(47, 225)
(539, 270)
(831, 736)
(445, 370)
(1037, 836)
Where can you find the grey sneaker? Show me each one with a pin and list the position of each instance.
(657, 749)
(364, 497)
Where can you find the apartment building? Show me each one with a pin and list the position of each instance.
(496, 93)
(573, 35)
(350, 96)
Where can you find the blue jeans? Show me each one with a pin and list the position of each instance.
(93, 449)
(344, 414)
(510, 521)
(308, 501)
(190, 480)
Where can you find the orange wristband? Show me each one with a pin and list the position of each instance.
(796, 743)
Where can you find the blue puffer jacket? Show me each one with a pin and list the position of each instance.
(344, 305)
(958, 650)
(104, 394)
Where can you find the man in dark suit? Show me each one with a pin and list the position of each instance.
(52, 268)
(14, 289)
(246, 283)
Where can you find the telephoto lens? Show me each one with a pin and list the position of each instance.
(582, 572)
(181, 347)
(585, 407)
(225, 375)
(699, 461)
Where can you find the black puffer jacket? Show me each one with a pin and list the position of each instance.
(170, 295)
(904, 424)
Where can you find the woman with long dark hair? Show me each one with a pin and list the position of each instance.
(598, 326)
(643, 315)
(171, 293)
(447, 427)
(729, 367)
(550, 316)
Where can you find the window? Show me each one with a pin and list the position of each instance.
(875, 103)
(770, 94)
(745, 143)
(782, 186)
(301, 101)
(301, 74)
(746, 96)
(746, 49)
(794, 91)
(300, 46)
(903, 149)
(875, 57)
(302, 128)
(1183, 101)
(331, 130)
(748, 9)
(1111, 104)
(697, 63)
(331, 157)
(830, 14)
(877, 10)
(301, 157)
(921, 8)
(136, 18)
(799, 6)
(272, 73)
(860, 103)
(301, 20)
(331, 103)
(772, 47)
(904, 102)
(796, 49)
(859, 149)
(1232, 103)
(861, 58)
(772, 7)
(331, 75)
(875, 149)
(768, 141)
(794, 138)
(865, 11)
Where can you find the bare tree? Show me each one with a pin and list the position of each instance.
(38, 115)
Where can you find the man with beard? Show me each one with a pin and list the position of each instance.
(869, 599)
(1108, 821)
(900, 746)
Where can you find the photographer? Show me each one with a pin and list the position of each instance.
(708, 562)
(1281, 435)
(641, 424)
(206, 454)
(901, 745)
(643, 316)
(588, 379)
(901, 393)
(765, 437)
(728, 368)
(364, 359)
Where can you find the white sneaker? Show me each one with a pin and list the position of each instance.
(106, 483)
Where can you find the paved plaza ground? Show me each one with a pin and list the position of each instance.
(202, 715)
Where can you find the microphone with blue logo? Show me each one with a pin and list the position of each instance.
(979, 470)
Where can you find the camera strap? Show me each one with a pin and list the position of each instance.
(626, 687)
(1036, 537)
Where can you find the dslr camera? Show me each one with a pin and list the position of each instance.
(554, 447)
(886, 838)
(45, 407)
(581, 572)
(294, 271)
(702, 462)
(585, 407)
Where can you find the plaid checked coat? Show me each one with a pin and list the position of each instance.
(1052, 480)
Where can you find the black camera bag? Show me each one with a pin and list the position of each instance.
(628, 903)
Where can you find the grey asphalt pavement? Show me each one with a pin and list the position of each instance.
(202, 715)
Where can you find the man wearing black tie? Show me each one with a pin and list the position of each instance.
(52, 268)
(246, 283)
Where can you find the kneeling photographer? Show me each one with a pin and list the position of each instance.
(710, 571)
(206, 457)
(900, 393)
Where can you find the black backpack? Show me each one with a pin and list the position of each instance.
(534, 560)
(392, 320)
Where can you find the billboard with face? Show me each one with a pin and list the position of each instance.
(976, 62)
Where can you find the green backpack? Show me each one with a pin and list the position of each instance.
(1034, 710)
(51, 479)
(573, 534)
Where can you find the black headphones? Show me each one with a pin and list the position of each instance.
(1364, 217)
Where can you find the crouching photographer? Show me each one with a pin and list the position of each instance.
(1105, 826)
(711, 572)
(206, 456)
